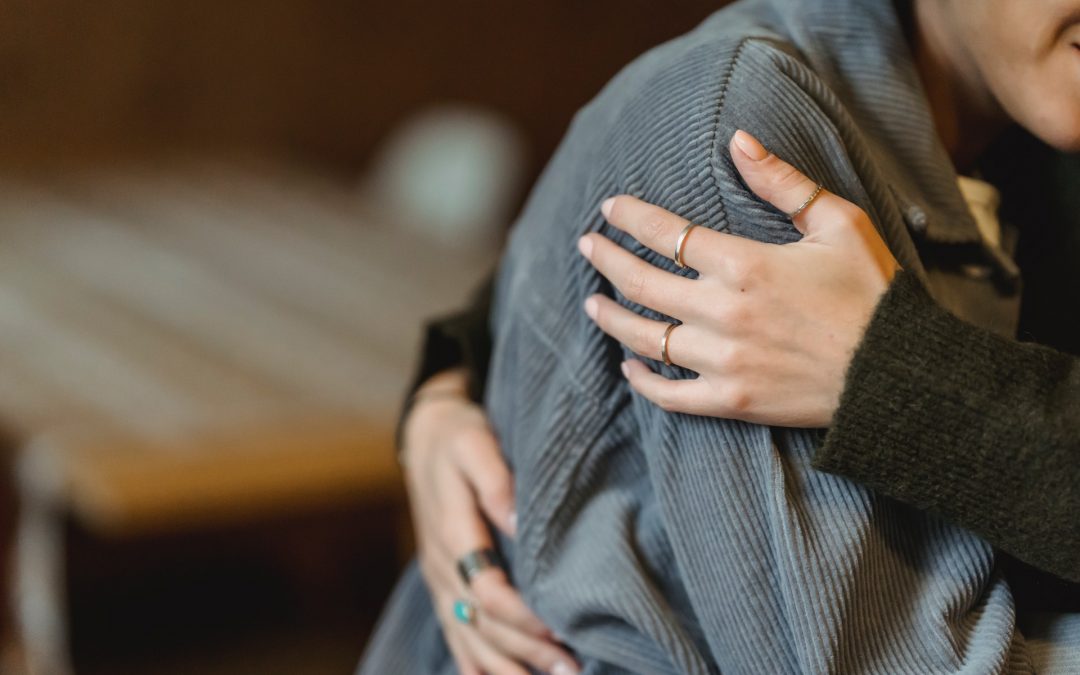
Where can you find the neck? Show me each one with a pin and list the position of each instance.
(967, 116)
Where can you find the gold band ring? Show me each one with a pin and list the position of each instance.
(681, 242)
(807, 203)
(664, 343)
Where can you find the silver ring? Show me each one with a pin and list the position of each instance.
(474, 562)
(807, 203)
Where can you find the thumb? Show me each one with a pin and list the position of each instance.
(779, 183)
(485, 469)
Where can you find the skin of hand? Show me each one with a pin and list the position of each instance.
(457, 482)
(770, 329)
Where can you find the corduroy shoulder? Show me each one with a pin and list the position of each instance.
(661, 129)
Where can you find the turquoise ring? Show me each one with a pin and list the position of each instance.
(465, 612)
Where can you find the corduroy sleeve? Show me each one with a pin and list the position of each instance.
(978, 429)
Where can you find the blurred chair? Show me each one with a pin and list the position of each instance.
(195, 343)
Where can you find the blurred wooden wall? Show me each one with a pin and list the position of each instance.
(321, 79)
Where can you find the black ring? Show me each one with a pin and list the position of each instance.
(473, 562)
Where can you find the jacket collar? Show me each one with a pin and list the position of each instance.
(859, 49)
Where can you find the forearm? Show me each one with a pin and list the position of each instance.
(976, 428)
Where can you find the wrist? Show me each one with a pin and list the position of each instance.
(454, 381)
(445, 386)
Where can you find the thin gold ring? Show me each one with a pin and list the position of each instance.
(681, 242)
(664, 343)
(807, 203)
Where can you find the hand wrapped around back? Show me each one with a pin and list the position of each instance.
(769, 330)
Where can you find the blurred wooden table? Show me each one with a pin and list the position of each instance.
(193, 342)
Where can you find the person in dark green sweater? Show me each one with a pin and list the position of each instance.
(914, 402)
(829, 333)
(982, 429)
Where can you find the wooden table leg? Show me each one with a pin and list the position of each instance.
(40, 589)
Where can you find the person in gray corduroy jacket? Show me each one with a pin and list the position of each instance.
(654, 542)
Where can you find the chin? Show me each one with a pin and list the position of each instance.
(1063, 136)
(1054, 121)
(1065, 140)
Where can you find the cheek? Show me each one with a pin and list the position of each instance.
(1044, 97)
(1030, 65)
(1055, 106)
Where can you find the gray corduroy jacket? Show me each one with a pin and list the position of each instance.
(665, 543)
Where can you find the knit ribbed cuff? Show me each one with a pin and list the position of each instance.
(958, 421)
(915, 403)
(886, 387)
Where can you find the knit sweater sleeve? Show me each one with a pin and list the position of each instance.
(460, 339)
(955, 420)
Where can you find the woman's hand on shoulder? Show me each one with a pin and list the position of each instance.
(770, 329)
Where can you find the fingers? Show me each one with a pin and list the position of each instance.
(499, 617)
(460, 523)
(656, 228)
(463, 530)
(781, 184)
(643, 336)
(444, 595)
(659, 229)
(508, 624)
(685, 396)
(498, 647)
(540, 654)
(509, 629)
(472, 653)
(483, 466)
(459, 479)
(491, 661)
(497, 598)
(462, 656)
(636, 279)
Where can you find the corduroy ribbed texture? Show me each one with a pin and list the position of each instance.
(664, 543)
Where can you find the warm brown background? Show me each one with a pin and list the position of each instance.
(323, 79)
(318, 82)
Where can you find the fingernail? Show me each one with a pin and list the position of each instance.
(750, 146)
(511, 520)
(585, 246)
(625, 369)
(605, 208)
(591, 306)
(563, 668)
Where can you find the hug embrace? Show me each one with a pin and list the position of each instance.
(748, 392)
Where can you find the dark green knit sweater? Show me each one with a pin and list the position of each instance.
(961, 422)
